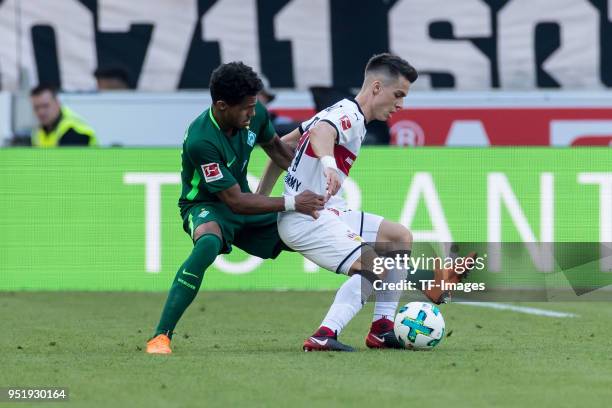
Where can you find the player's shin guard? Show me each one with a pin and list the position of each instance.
(349, 300)
(387, 300)
(187, 282)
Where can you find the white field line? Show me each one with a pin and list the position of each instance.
(519, 309)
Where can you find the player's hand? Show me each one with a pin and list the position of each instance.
(333, 182)
(309, 203)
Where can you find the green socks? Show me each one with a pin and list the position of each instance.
(187, 282)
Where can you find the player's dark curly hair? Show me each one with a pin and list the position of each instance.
(392, 65)
(232, 82)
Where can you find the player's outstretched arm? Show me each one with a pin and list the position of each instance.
(269, 178)
(281, 150)
(306, 202)
(273, 170)
(322, 139)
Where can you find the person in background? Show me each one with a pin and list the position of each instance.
(282, 124)
(265, 96)
(57, 124)
(112, 78)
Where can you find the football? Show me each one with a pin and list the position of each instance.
(419, 326)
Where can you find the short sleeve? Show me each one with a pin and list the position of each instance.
(339, 119)
(210, 166)
(343, 124)
(266, 131)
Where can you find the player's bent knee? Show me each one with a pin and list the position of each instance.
(394, 232)
(210, 227)
(401, 234)
(404, 234)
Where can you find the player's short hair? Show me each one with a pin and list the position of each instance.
(392, 66)
(42, 88)
(234, 81)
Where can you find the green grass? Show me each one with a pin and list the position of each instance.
(244, 348)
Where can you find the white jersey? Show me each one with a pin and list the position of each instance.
(306, 170)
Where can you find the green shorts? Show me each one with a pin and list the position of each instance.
(254, 234)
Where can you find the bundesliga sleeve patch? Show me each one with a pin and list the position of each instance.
(212, 172)
(346, 122)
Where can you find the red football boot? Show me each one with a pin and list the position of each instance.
(325, 339)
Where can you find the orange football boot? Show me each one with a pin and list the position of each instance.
(159, 344)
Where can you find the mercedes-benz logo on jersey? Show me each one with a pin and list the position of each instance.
(251, 138)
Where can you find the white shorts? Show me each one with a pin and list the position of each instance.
(332, 241)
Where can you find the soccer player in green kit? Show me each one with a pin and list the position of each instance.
(217, 207)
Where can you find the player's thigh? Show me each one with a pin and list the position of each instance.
(326, 241)
(367, 225)
(259, 236)
(211, 227)
(387, 235)
(209, 218)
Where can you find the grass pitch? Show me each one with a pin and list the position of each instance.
(244, 349)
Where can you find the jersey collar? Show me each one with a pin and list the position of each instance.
(358, 107)
(214, 121)
(212, 118)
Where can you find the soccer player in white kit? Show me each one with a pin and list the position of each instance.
(328, 146)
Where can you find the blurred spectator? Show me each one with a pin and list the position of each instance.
(57, 124)
(282, 124)
(265, 96)
(112, 78)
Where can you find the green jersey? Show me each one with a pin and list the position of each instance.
(214, 162)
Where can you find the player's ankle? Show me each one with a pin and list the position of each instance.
(325, 331)
(168, 333)
(381, 325)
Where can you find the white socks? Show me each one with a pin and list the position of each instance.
(349, 300)
(354, 293)
(387, 300)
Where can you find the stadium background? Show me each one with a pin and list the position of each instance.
(505, 137)
(513, 73)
